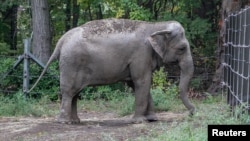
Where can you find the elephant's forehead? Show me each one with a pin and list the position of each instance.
(174, 26)
(109, 26)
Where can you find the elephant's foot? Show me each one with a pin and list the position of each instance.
(151, 117)
(142, 119)
(139, 119)
(66, 120)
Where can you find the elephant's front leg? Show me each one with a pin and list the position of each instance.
(143, 100)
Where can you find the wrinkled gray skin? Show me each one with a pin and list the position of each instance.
(107, 51)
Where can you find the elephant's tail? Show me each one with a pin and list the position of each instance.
(54, 56)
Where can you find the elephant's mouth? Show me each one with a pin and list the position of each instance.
(172, 62)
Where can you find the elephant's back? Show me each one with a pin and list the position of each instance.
(110, 26)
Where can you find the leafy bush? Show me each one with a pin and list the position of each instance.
(13, 81)
(138, 13)
(160, 79)
(106, 92)
(196, 83)
(4, 49)
(165, 99)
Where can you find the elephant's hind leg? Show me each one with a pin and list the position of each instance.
(65, 109)
(74, 116)
(68, 109)
(69, 91)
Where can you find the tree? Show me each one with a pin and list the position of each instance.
(41, 30)
(68, 15)
(72, 14)
(9, 23)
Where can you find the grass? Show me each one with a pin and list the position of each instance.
(123, 103)
(18, 105)
(211, 110)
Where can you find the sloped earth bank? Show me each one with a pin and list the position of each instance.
(94, 126)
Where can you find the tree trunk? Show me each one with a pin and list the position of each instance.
(41, 30)
(68, 15)
(99, 12)
(89, 12)
(76, 11)
(13, 30)
(10, 18)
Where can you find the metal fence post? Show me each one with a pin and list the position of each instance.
(26, 66)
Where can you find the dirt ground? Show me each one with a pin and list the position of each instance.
(94, 126)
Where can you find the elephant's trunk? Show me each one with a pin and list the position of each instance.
(187, 70)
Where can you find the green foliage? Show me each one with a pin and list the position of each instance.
(4, 29)
(106, 92)
(160, 79)
(13, 82)
(15, 106)
(5, 49)
(164, 92)
(194, 128)
(196, 83)
(120, 102)
(117, 9)
(138, 12)
(18, 105)
(167, 99)
(181, 127)
(6, 64)
(6, 4)
(48, 85)
(24, 23)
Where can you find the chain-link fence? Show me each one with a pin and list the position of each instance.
(237, 59)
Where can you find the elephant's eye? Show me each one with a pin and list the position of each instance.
(181, 49)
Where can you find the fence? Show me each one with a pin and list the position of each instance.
(237, 59)
(10, 74)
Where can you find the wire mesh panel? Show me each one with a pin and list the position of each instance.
(237, 59)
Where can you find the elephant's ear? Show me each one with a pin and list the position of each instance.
(155, 44)
(163, 32)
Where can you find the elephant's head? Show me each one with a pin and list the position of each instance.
(172, 46)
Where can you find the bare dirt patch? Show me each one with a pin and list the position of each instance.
(94, 126)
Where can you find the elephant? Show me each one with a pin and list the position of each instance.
(107, 51)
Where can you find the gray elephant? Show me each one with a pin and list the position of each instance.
(111, 50)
